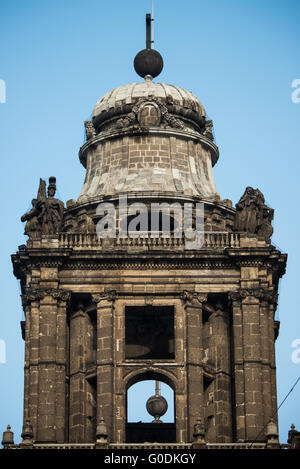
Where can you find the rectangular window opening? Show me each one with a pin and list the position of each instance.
(149, 332)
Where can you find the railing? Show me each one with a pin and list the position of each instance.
(210, 240)
(150, 446)
(63, 446)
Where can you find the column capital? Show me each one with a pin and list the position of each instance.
(258, 292)
(32, 294)
(36, 294)
(191, 298)
(107, 295)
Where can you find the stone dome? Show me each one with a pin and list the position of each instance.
(120, 101)
(149, 137)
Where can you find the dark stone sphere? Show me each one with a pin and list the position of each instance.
(148, 62)
(157, 406)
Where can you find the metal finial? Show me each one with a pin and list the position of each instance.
(148, 61)
(148, 31)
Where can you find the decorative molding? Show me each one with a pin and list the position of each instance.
(147, 265)
(46, 263)
(249, 263)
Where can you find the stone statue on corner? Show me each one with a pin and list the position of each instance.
(253, 216)
(46, 214)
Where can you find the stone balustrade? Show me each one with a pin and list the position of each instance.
(210, 240)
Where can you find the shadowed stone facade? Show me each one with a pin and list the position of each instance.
(88, 301)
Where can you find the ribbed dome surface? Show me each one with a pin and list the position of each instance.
(129, 94)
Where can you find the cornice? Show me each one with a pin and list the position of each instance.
(137, 130)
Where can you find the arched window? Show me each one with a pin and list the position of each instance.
(140, 424)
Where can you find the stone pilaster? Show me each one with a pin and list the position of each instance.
(44, 396)
(52, 366)
(105, 358)
(250, 361)
(26, 304)
(272, 305)
(193, 308)
(61, 366)
(220, 353)
(77, 374)
(31, 299)
(238, 366)
(266, 352)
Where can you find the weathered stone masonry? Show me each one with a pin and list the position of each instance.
(88, 301)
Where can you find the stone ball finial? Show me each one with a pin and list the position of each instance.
(271, 431)
(101, 431)
(27, 432)
(148, 62)
(157, 406)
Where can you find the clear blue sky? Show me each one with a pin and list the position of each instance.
(239, 57)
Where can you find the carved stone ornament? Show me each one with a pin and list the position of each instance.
(149, 300)
(193, 298)
(46, 214)
(32, 294)
(234, 296)
(207, 132)
(108, 295)
(253, 216)
(90, 130)
(61, 295)
(36, 294)
(257, 292)
(149, 112)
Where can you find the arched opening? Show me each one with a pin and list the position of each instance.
(150, 409)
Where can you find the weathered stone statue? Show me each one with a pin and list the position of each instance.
(46, 214)
(208, 130)
(252, 215)
(90, 131)
(265, 229)
(53, 210)
(33, 227)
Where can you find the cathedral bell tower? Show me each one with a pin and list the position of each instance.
(149, 274)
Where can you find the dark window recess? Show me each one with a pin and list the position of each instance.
(163, 222)
(150, 432)
(149, 332)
